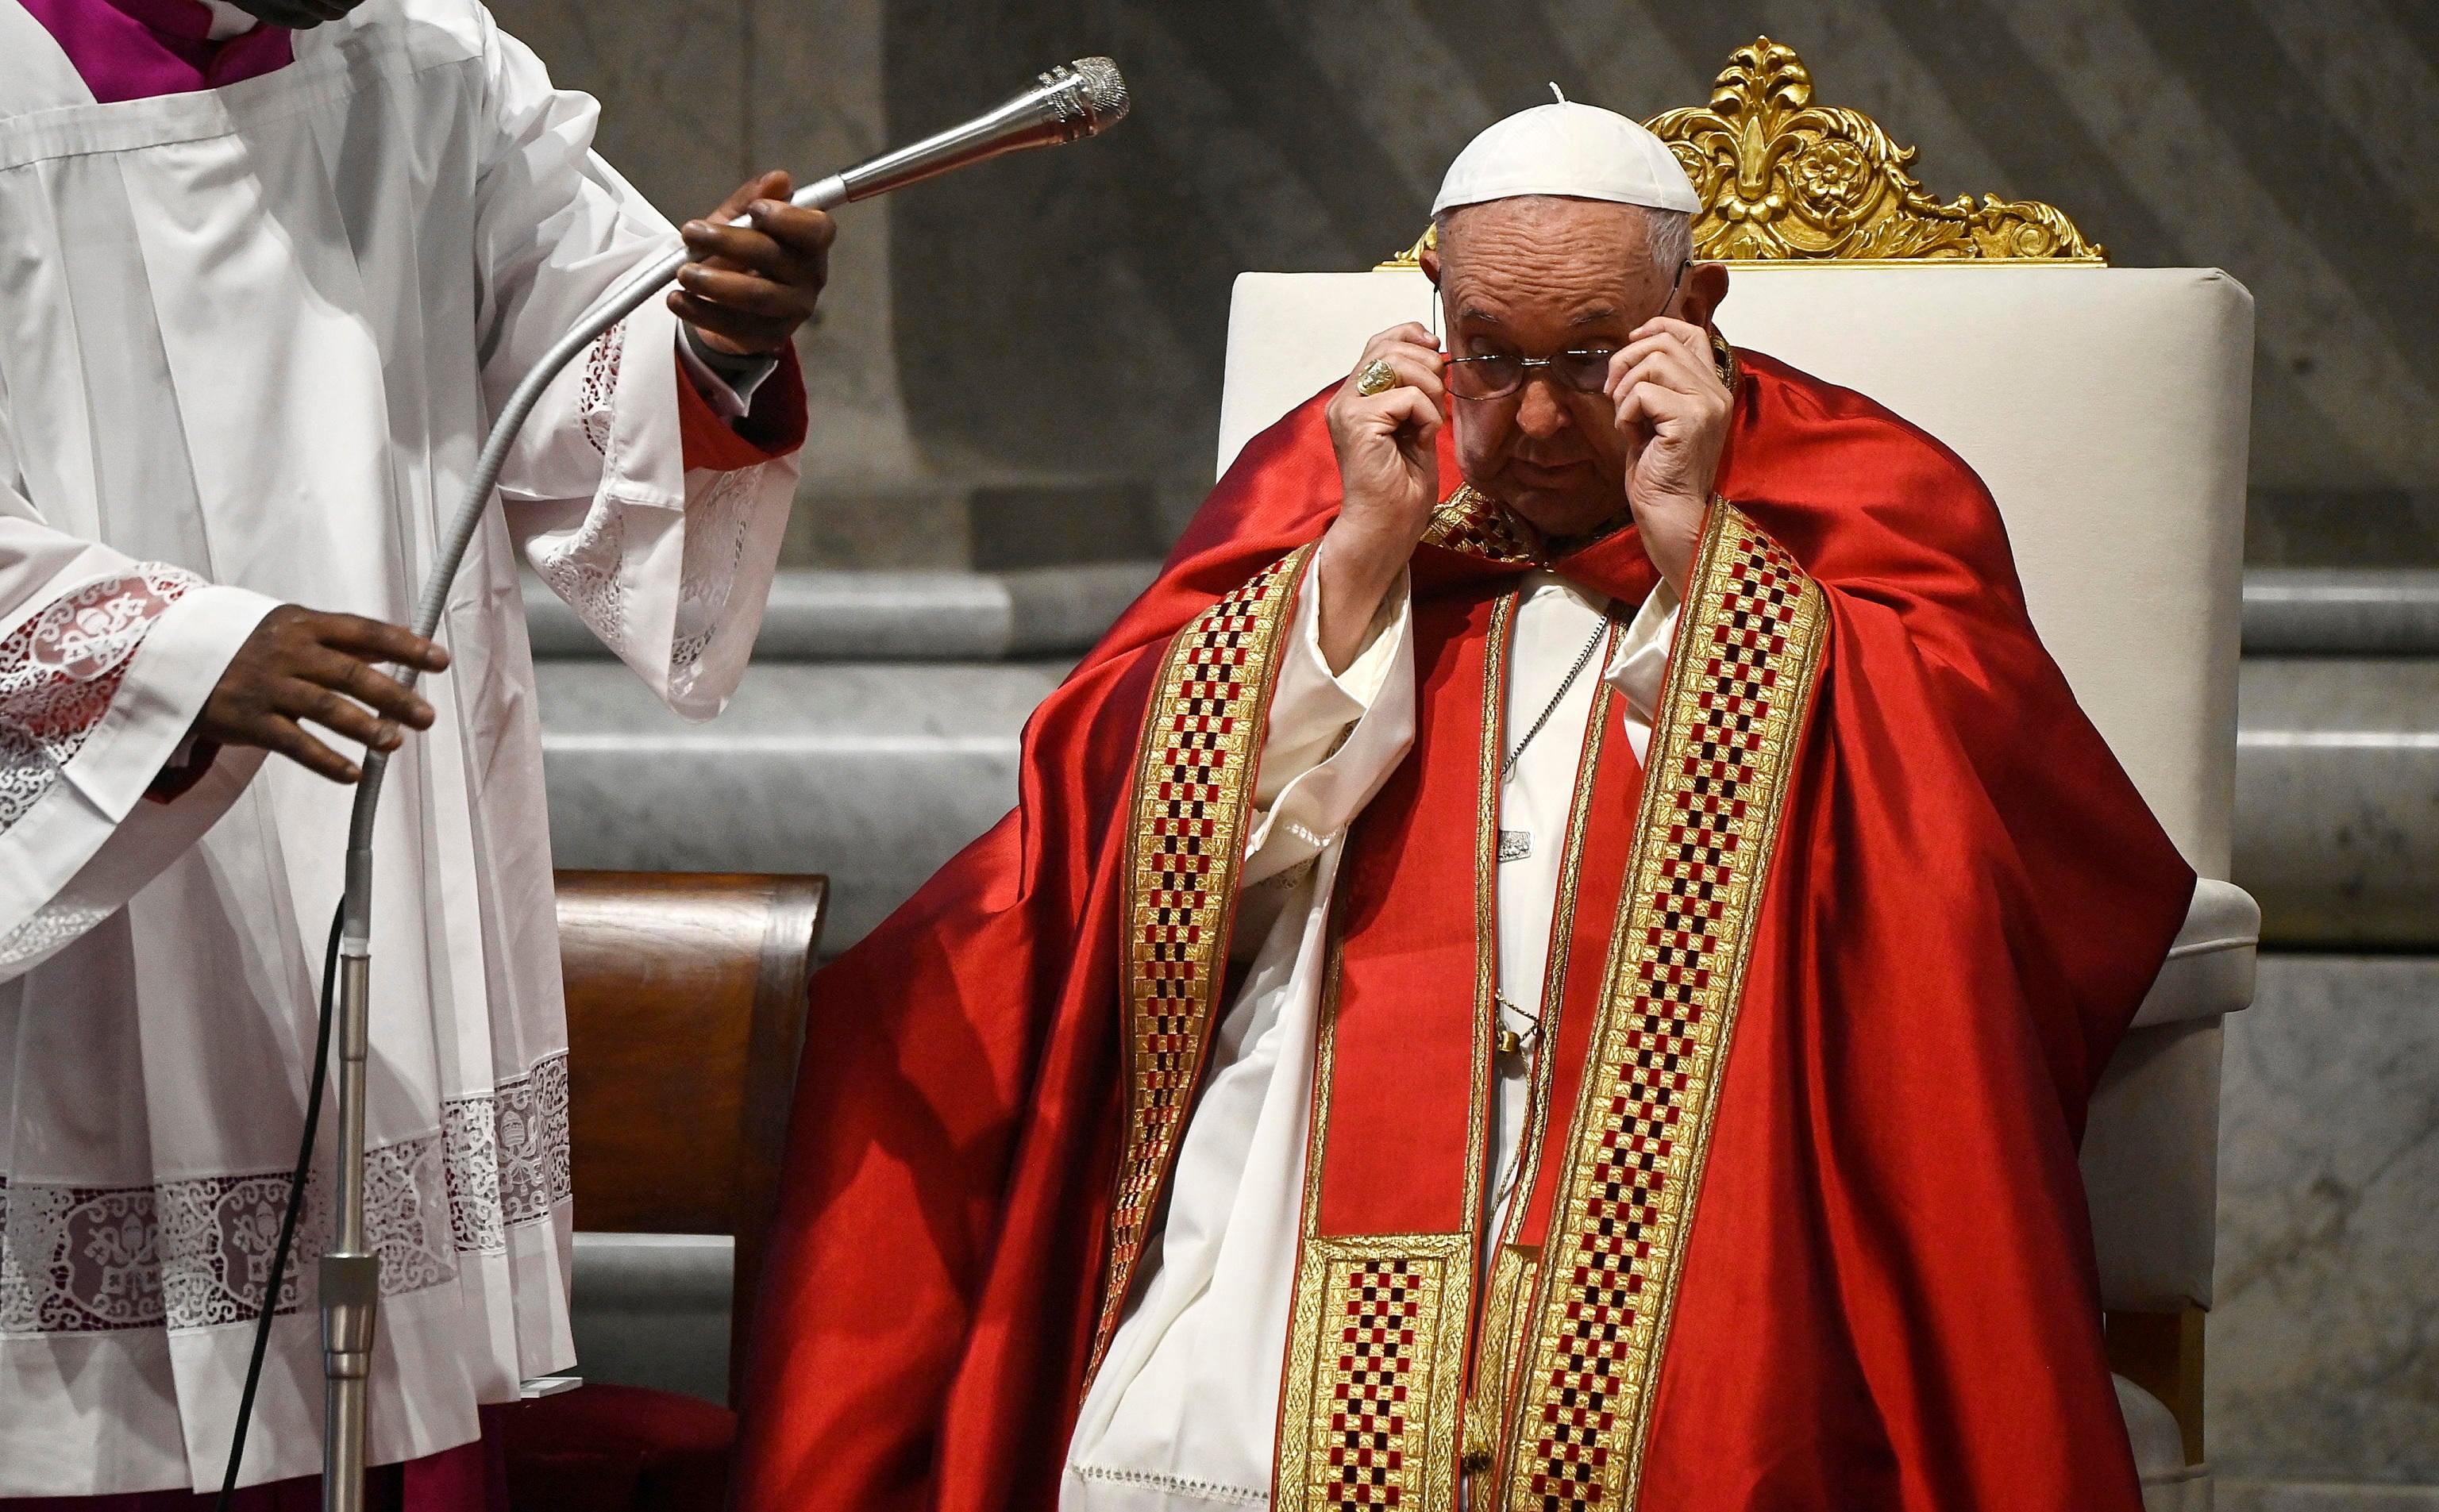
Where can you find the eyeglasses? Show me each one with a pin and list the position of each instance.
(1503, 373)
(1500, 374)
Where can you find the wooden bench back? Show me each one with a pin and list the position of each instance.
(685, 1015)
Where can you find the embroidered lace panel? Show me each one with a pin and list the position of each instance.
(716, 528)
(508, 1156)
(600, 382)
(583, 568)
(191, 1254)
(57, 924)
(60, 669)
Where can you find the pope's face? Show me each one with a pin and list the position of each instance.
(301, 14)
(1534, 277)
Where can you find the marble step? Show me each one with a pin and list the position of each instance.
(872, 772)
(987, 522)
(876, 772)
(895, 617)
(2337, 799)
(2341, 612)
(840, 615)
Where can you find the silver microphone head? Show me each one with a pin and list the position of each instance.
(1093, 88)
(1069, 101)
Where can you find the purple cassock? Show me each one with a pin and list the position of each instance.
(135, 49)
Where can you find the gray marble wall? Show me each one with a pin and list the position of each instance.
(2324, 1347)
(698, 94)
(1054, 323)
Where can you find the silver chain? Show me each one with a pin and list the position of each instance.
(1583, 659)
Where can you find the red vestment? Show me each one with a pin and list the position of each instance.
(1888, 1296)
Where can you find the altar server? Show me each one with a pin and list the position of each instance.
(1557, 958)
(260, 291)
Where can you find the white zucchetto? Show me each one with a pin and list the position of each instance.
(1583, 151)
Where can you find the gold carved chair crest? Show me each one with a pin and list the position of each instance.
(1782, 178)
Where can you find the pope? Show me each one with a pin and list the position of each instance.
(1557, 958)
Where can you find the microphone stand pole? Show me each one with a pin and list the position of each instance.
(1067, 104)
(350, 1273)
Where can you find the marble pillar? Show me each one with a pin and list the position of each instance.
(696, 95)
(669, 74)
(815, 103)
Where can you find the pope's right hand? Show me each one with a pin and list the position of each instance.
(1389, 474)
(301, 665)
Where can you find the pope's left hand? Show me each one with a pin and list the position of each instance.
(1673, 411)
(750, 285)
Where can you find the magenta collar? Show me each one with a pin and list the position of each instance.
(135, 49)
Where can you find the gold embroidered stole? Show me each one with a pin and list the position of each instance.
(1185, 847)
(1740, 679)
(1386, 1329)
(1372, 1392)
(1583, 915)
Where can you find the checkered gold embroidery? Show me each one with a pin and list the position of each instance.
(1717, 777)
(1477, 525)
(1369, 1408)
(1194, 786)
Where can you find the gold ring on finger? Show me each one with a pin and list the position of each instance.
(1377, 377)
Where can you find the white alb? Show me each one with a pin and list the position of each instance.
(249, 340)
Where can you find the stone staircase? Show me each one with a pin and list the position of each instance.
(876, 734)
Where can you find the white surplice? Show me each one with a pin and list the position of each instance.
(1184, 1412)
(249, 340)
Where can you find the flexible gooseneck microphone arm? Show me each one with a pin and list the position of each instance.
(1070, 101)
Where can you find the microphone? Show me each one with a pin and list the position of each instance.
(1072, 101)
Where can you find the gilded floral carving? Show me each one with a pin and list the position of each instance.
(1782, 178)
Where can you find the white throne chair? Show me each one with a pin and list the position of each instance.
(2107, 408)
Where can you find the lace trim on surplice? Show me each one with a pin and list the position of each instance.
(601, 363)
(192, 1253)
(60, 669)
(584, 567)
(716, 529)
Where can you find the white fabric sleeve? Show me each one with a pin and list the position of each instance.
(1332, 738)
(1639, 666)
(104, 663)
(671, 567)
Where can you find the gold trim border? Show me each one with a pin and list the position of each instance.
(1319, 1388)
(1501, 1343)
(1208, 714)
(1583, 1409)
(1478, 1153)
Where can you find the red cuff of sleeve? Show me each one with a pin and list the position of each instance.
(772, 429)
